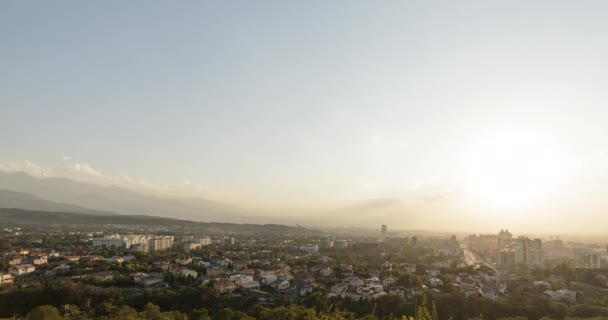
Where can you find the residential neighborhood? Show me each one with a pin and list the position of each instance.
(274, 270)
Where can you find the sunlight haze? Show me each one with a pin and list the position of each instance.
(434, 115)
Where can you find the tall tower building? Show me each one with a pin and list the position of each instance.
(528, 251)
(384, 231)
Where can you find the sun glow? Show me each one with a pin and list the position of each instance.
(513, 170)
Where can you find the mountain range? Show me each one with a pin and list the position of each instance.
(73, 221)
(27, 201)
(21, 191)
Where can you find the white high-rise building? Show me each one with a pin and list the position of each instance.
(160, 243)
(114, 240)
(140, 243)
(520, 251)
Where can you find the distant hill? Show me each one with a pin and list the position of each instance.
(74, 220)
(22, 200)
(122, 201)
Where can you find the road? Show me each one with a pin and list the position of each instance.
(472, 259)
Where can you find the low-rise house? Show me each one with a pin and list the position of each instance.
(14, 260)
(37, 259)
(6, 278)
(138, 277)
(188, 273)
(468, 290)
(489, 291)
(251, 285)
(215, 271)
(225, 262)
(435, 282)
(224, 285)
(553, 295)
(268, 279)
(248, 272)
(240, 264)
(397, 291)
(240, 278)
(409, 268)
(416, 290)
(245, 281)
(338, 290)
(327, 272)
(284, 275)
(153, 280)
(302, 288)
(153, 283)
(346, 270)
(353, 281)
(386, 266)
(279, 285)
(567, 295)
(22, 269)
(365, 293)
(374, 281)
(267, 271)
(261, 263)
(387, 282)
(62, 268)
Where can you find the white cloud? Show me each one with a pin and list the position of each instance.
(84, 172)
(27, 166)
(84, 169)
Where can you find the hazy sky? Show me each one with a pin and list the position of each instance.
(486, 106)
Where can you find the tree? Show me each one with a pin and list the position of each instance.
(200, 314)
(151, 312)
(224, 314)
(405, 280)
(71, 311)
(45, 312)
(423, 313)
(175, 315)
(434, 314)
(125, 313)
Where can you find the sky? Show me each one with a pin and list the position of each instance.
(466, 109)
